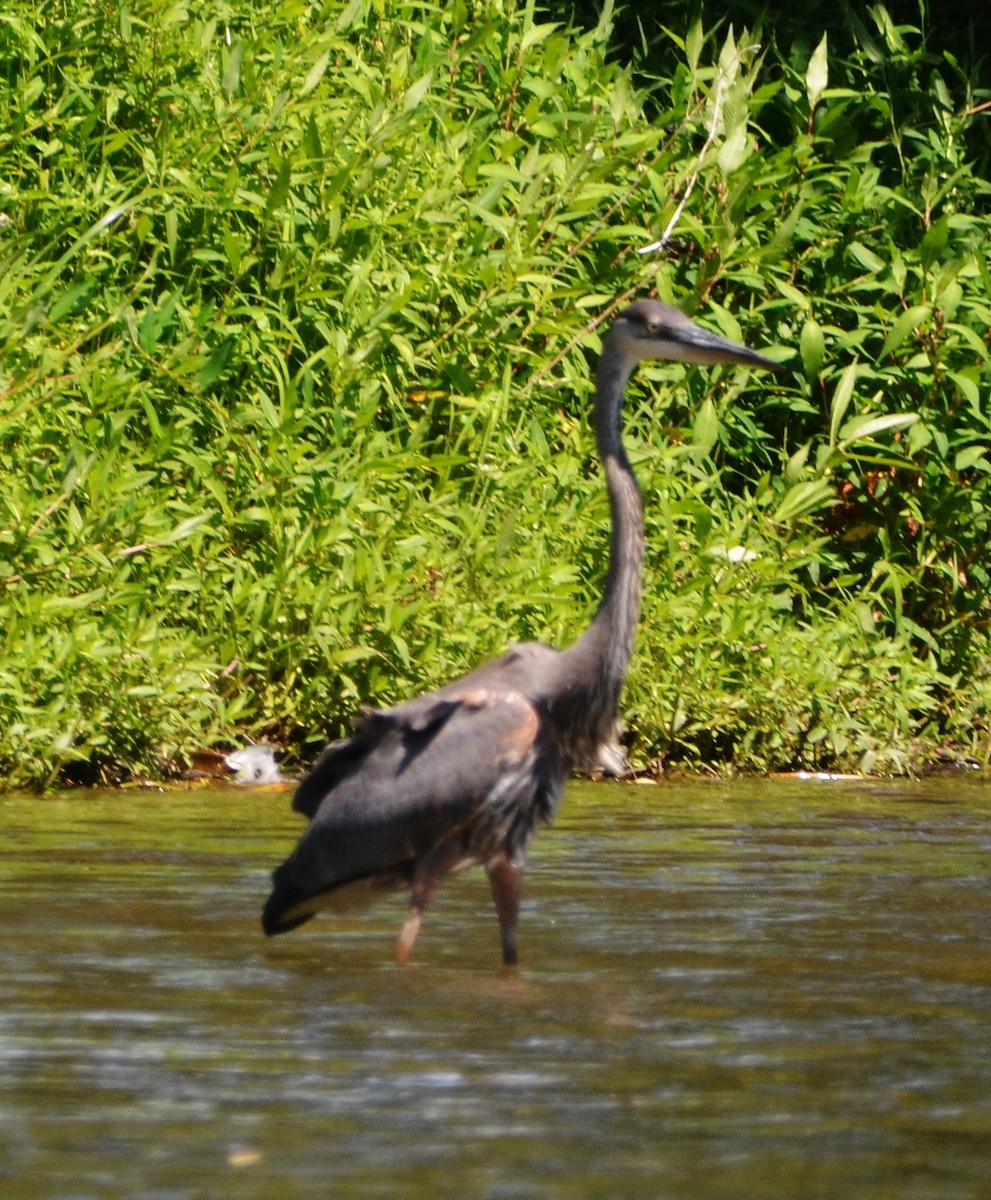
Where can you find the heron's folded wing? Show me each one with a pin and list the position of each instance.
(415, 775)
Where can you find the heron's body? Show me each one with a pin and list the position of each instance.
(466, 774)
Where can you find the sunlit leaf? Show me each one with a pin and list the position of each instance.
(842, 395)
(906, 324)
(804, 498)
(797, 462)
(865, 426)
(865, 257)
(812, 347)
(971, 456)
(733, 152)
(817, 73)
(694, 40)
(315, 73)
(417, 91)
(705, 429)
(231, 78)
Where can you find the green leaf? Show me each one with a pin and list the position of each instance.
(417, 91)
(694, 41)
(536, 34)
(735, 150)
(279, 193)
(865, 426)
(212, 369)
(74, 297)
(967, 387)
(971, 456)
(812, 347)
(797, 462)
(349, 15)
(866, 258)
(184, 529)
(934, 242)
(705, 429)
(842, 395)
(804, 498)
(172, 233)
(315, 74)
(312, 141)
(231, 78)
(907, 323)
(817, 73)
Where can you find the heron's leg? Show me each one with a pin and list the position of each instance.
(431, 871)
(506, 881)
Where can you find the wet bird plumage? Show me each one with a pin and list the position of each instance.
(466, 774)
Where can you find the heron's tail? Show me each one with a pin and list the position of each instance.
(286, 908)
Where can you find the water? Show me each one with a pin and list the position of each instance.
(749, 991)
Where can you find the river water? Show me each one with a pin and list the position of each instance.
(760, 990)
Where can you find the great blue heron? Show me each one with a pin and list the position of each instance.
(466, 774)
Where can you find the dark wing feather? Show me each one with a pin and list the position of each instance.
(342, 758)
(467, 764)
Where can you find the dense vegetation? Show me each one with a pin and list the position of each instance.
(298, 304)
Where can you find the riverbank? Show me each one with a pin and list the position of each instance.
(299, 311)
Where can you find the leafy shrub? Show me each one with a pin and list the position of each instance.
(298, 306)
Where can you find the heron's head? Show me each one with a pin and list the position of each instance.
(649, 329)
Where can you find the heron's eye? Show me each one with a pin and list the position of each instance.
(653, 328)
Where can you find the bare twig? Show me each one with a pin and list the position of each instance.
(694, 177)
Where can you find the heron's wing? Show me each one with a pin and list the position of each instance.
(467, 763)
(342, 759)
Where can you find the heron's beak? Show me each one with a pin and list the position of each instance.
(692, 344)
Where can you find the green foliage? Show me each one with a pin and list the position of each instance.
(297, 306)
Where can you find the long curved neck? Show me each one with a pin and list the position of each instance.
(598, 662)
(611, 635)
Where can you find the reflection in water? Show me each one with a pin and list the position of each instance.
(749, 991)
